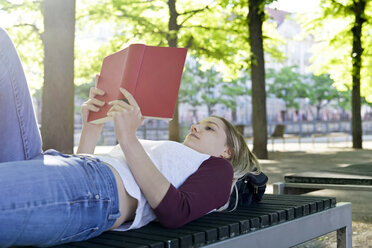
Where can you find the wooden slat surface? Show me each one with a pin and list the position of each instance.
(328, 177)
(216, 226)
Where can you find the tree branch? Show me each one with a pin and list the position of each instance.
(211, 28)
(191, 13)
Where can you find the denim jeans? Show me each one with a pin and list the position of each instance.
(19, 133)
(45, 198)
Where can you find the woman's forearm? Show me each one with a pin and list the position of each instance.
(152, 183)
(88, 140)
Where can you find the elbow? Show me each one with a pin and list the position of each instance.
(172, 222)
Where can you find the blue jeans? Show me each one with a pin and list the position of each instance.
(45, 198)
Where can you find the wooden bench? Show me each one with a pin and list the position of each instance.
(277, 221)
(330, 136)
(279, 134)
(306, 182)
(352, 177)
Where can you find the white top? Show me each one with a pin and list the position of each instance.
(174, 160)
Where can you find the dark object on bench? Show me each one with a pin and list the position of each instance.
(276, 221)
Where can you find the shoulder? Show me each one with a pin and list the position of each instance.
(217, 163)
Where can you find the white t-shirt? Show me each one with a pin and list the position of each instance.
(174, 160)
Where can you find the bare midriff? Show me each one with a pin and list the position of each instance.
(127, 204)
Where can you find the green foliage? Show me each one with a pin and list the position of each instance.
(332, 53)
(217, 32)
(288, 85)
(344, 99)
(24, 23)
(200, 87)
(320, 90)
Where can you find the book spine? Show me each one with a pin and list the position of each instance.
(132, 67)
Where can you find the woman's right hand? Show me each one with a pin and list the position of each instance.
(93, 104)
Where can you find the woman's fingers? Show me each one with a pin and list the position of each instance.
(117, 108)
(121, 103)
(92, 107)
(112, 113)
(95, 101)
(129, 96)
(95, 91)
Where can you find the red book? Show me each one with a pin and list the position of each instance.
(151, 74)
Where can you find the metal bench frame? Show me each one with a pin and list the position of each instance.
(300, 230)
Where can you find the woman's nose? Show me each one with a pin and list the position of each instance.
(194, 128)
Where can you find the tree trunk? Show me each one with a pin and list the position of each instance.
(356, 56)
(57, 121)
(318, 113)
(234, 115)
(255, 19)
(209, 108)
(174, 126)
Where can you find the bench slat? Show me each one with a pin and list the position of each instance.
(217, 226)
(198, 237)
(88, 244)
(168, 243)
(298, 208)
(244, 223)
(281, 213)
(115, 243)
(210, 232)
(125, 238)
(222, 229)
(185, 240)
(233, 227)
(327, 201)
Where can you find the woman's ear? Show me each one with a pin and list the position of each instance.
(226, 153)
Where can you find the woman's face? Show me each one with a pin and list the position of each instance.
(209, 137)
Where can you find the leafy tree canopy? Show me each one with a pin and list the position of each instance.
(331, 28)
(207, 87)
(287, 84)
(24, 23)
(215, 33)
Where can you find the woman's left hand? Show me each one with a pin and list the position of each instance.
(127, 116)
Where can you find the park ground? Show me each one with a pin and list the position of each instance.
(294, 158)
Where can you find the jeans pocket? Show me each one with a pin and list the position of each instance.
(86, 219)
(83, 235)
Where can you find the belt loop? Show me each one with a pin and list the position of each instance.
(114, 216)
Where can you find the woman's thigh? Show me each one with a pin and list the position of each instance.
(55, 200)
(19, 133)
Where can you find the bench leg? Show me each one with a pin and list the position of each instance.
(278, 188)
(343, 239)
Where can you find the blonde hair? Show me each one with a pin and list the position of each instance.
(241, 158)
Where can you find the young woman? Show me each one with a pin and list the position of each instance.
(50, 198)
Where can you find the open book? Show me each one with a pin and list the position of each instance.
(151, 74)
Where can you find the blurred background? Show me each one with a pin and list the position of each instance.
(305, 79)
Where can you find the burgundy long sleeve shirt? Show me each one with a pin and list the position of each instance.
(205, 190)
